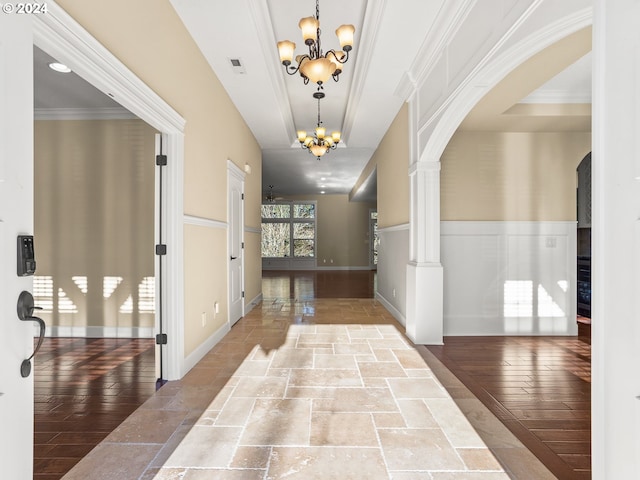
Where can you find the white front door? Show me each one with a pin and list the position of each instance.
(235, 185)
(16, 218)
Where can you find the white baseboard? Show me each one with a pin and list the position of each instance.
(98, 332)
(393, 310)
(199, 353)
(328, 268)
(253, 303)
(314, 269)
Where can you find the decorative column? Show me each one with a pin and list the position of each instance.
(424, 272)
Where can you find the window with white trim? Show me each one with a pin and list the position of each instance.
(289, 230)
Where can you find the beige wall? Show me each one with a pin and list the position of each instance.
(159, 50)
(503, 176)
(343, 230)
(392, 160)
(252, 265)
(204, 287)
(94, 217)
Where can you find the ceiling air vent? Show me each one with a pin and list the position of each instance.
(236, 66)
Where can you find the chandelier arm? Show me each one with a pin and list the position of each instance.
(333, 52)
(291, 70)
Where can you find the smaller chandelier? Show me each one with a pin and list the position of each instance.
(320, 143)
(317, 66)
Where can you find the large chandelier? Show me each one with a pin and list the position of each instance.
(315, 65)
(320, 143)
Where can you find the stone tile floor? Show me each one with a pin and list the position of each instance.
(319, 389)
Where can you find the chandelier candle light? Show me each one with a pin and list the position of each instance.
(320, 143)
(315, 65)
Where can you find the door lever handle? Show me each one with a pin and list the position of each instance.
(233, 258)
(25, 313)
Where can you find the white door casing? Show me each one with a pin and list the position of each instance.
(235, 244)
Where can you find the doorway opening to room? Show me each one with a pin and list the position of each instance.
(97, 216)
(583, 284)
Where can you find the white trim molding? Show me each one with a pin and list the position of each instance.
(198, 354)
(394, 228)
(397, 314)
(251, 304)
(204, 222)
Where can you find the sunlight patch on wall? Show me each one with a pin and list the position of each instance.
(519, 301)
(43, 292)
(146, 297)
(518, 298)
(81, 283)
(65, 305)
(546, 305)
(109, 285)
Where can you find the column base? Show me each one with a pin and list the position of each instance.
(425, 290)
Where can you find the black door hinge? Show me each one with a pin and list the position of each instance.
(242, 245)
(161, 249)
(242, 294)
(161, 160)
(161, 339)
(242, 196)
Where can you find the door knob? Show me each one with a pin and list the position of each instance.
(25, 313)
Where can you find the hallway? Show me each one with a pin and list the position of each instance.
(315, 388)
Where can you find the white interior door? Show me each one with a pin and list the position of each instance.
(16, 218)
(235, 190)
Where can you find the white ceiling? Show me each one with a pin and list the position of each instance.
(274, 105)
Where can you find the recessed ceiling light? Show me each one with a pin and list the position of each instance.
(59, 67)
(322, 192)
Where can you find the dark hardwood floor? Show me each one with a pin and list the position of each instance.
(306, 285)
(539, 387)
(84, 389)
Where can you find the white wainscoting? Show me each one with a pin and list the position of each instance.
(509, 278)
(393, 256)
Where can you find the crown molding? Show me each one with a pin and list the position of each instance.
(264, 27)
(107, 113)
(371, 26)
